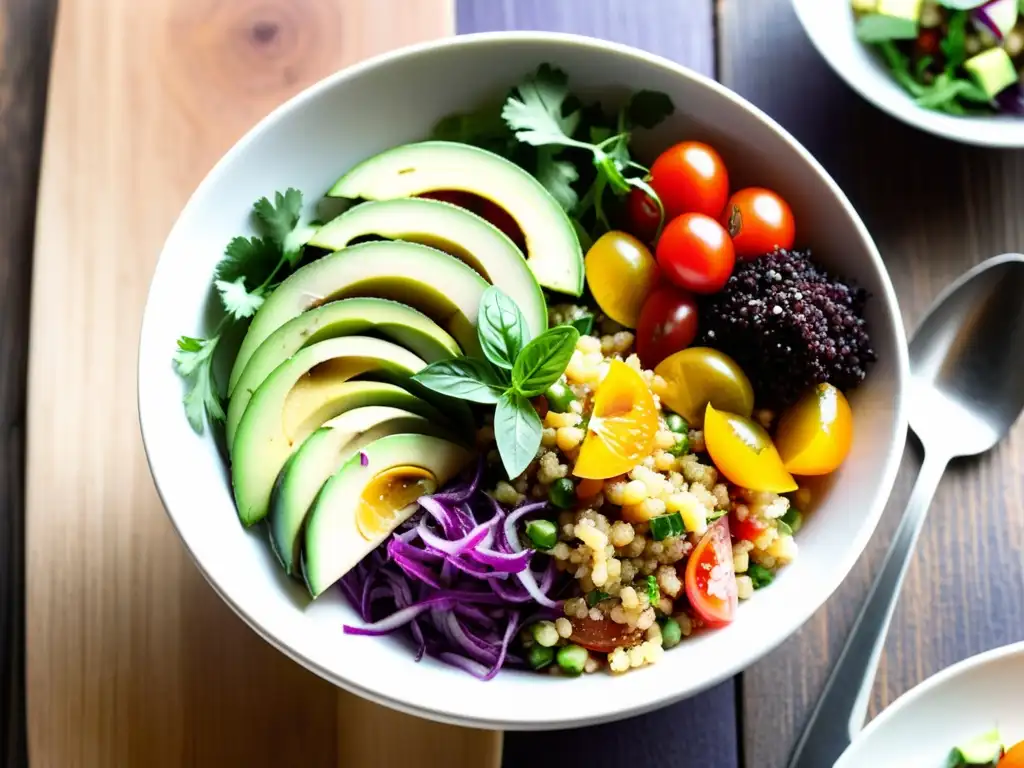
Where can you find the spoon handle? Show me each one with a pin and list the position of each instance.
(843, 705)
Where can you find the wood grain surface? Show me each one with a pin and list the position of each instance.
(934, 208)
(25, 34)
(132, 658)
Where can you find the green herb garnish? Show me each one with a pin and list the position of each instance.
(250, 270)
(653, 595)
(760, 575)
(596, 596)
(535, 365)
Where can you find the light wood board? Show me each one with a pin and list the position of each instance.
(132, 659)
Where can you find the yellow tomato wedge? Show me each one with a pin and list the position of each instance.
(744, 452)
(621, 273)
(815, 433)
(622, 427)
(697, 376)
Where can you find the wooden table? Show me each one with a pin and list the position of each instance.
(132, 660)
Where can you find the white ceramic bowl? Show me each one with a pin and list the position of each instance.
(829, 25)
(396, 98)
(958, 704)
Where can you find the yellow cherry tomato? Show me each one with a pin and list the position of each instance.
(815, 433)
(622, 427)
(697, 376)
(621, 273)
(744, 452)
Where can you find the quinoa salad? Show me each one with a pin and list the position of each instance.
(523, 401)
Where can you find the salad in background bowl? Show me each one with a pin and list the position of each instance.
(539, 385)
(949, 67)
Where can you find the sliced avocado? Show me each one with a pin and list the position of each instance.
(553, 249)
(348, 317)
(365, 500)
(890, 20)
(984, 750)
(321, 455)
(297, 398)
(439, 285)
(453, 230)
(992, 70)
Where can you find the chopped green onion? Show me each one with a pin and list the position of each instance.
(671, 633)
(760, 575)
(545, 634)
(677, 424)
(664, 526)
(653, 595)
(681, 446)
(543, 533)
(715, 514)
(572, 659)
(559, 397)
(595, 597)
(562, 493)
(793, 518)
(539, 656)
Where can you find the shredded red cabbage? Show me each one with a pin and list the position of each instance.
(457, 576)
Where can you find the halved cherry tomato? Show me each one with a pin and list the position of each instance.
(642, 215)
(698, 376)
(667, 324)
(621, 274)
(815, 433)
(748, 529)
(603, 635)
(744, 453)
(758, 221)
(695, 253)
(710, 578)
(690, 177)
(1014, 758)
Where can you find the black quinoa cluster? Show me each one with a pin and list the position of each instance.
(789, 325)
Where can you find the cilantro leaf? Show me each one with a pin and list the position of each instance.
(557, 176)
(296, 241)
(238, 301)
(280, 217)
(535, 111)
(194, 362)
(648, 108)
(253, 259)
(483, 127)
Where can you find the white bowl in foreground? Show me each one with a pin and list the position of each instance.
(953, 706)
(308, 143)
(829, 25)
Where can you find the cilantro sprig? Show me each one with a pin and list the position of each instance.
(514, 368)
(577, 151)
(252, 267)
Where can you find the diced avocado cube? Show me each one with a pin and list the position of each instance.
(992, 70)
(890, 20)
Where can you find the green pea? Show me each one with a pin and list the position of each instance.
(539, 656)
(572, 659)
(545, 634)
(681, 447)
(562, 493)
(677, 423)
(671, 633)
(543, 533)
(559, 397)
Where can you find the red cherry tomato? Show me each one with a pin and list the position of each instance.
(695, 253)
(642, 215)
(690, 178)
(710, 578)
(759, 221)
(668, 323)
(603, 635)
(748, 529)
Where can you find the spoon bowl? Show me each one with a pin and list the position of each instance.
(967, 384)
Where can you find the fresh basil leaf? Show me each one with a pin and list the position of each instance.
(501, 328)
(583, 324)
(463, 377)
(544, 359)
(648, 108)
(517, 431)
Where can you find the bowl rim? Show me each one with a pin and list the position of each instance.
(926, 686)
(951, 127)
(822, 590)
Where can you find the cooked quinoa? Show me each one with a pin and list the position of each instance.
(604, 540)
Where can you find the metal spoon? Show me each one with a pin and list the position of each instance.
(966, 391)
